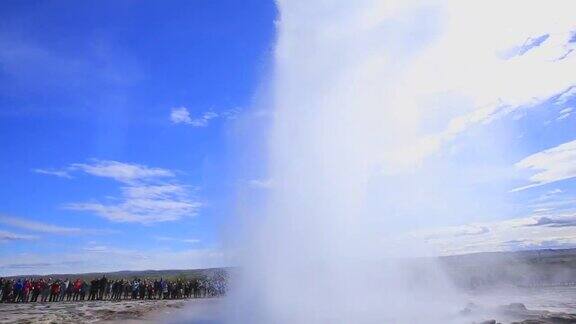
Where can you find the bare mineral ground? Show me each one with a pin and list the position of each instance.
(88, 311)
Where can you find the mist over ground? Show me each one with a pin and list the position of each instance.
(377, 107)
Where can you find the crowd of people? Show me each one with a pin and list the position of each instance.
(25, 290)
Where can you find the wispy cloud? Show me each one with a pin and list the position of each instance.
(148, 195)
(528, 44)
(58, 173)
(47, 228)
(123, 172)
(551, 165)
(182, 115)
(91, 258)
(565, 113)
(180, 240)
(555, 221)
(261, 183)
(493, 87)
(566, 95)
(6, 236)
(512, 234)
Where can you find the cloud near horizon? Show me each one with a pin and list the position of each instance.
(552, 231)
(104, 258)
(551, 165)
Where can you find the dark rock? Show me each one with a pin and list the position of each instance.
(488, 322)
(518, 307)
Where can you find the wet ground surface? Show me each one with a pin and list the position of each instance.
(527, 306)
(554, 299)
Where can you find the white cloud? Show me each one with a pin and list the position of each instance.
(204, 119)
(172, 239)
(58, 173)
(148, 195)
(565, 113)
(122, 172)
(182, 115)
(155, 191)
(119, 171)
(566, 95)
(489, 87)
(47, 228)
(230, 113)
(6, 236)
(520, 233)
(100, 257)
(261, 183)
(141, 210)
(551, 165)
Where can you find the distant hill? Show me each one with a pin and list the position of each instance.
(522, 268)
(128, 274)
(469, 271)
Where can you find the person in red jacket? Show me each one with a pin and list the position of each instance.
(77, 287)
(54, 291)
(36, 289)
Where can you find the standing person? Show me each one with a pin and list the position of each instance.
(69, 290)
(84, 290)
(187, 288)
(6, 290)
(103, 283)
(179, 289)
(142, 290)
(76, 286)
(17, 290)
(113, 289)
(36, 289)
(120, 289)
(108, 293)
(135, 287)
(127, 289)
(93, 289)
(150, 289)
(158, 289)
(46, 286)
(195, 288)
(164, 289)
(63, 288)
(55, 291)
(26, 288)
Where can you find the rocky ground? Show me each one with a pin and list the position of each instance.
(208, 310)
(516, 313)
(89, 311)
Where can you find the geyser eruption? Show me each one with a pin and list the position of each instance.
(356, 115)
(318, 254)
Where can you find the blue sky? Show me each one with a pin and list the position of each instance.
(133, 134)
(94, 84)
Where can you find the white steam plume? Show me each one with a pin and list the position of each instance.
(354, 87)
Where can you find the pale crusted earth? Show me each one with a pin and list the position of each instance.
(542, 306)
(89, 311)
